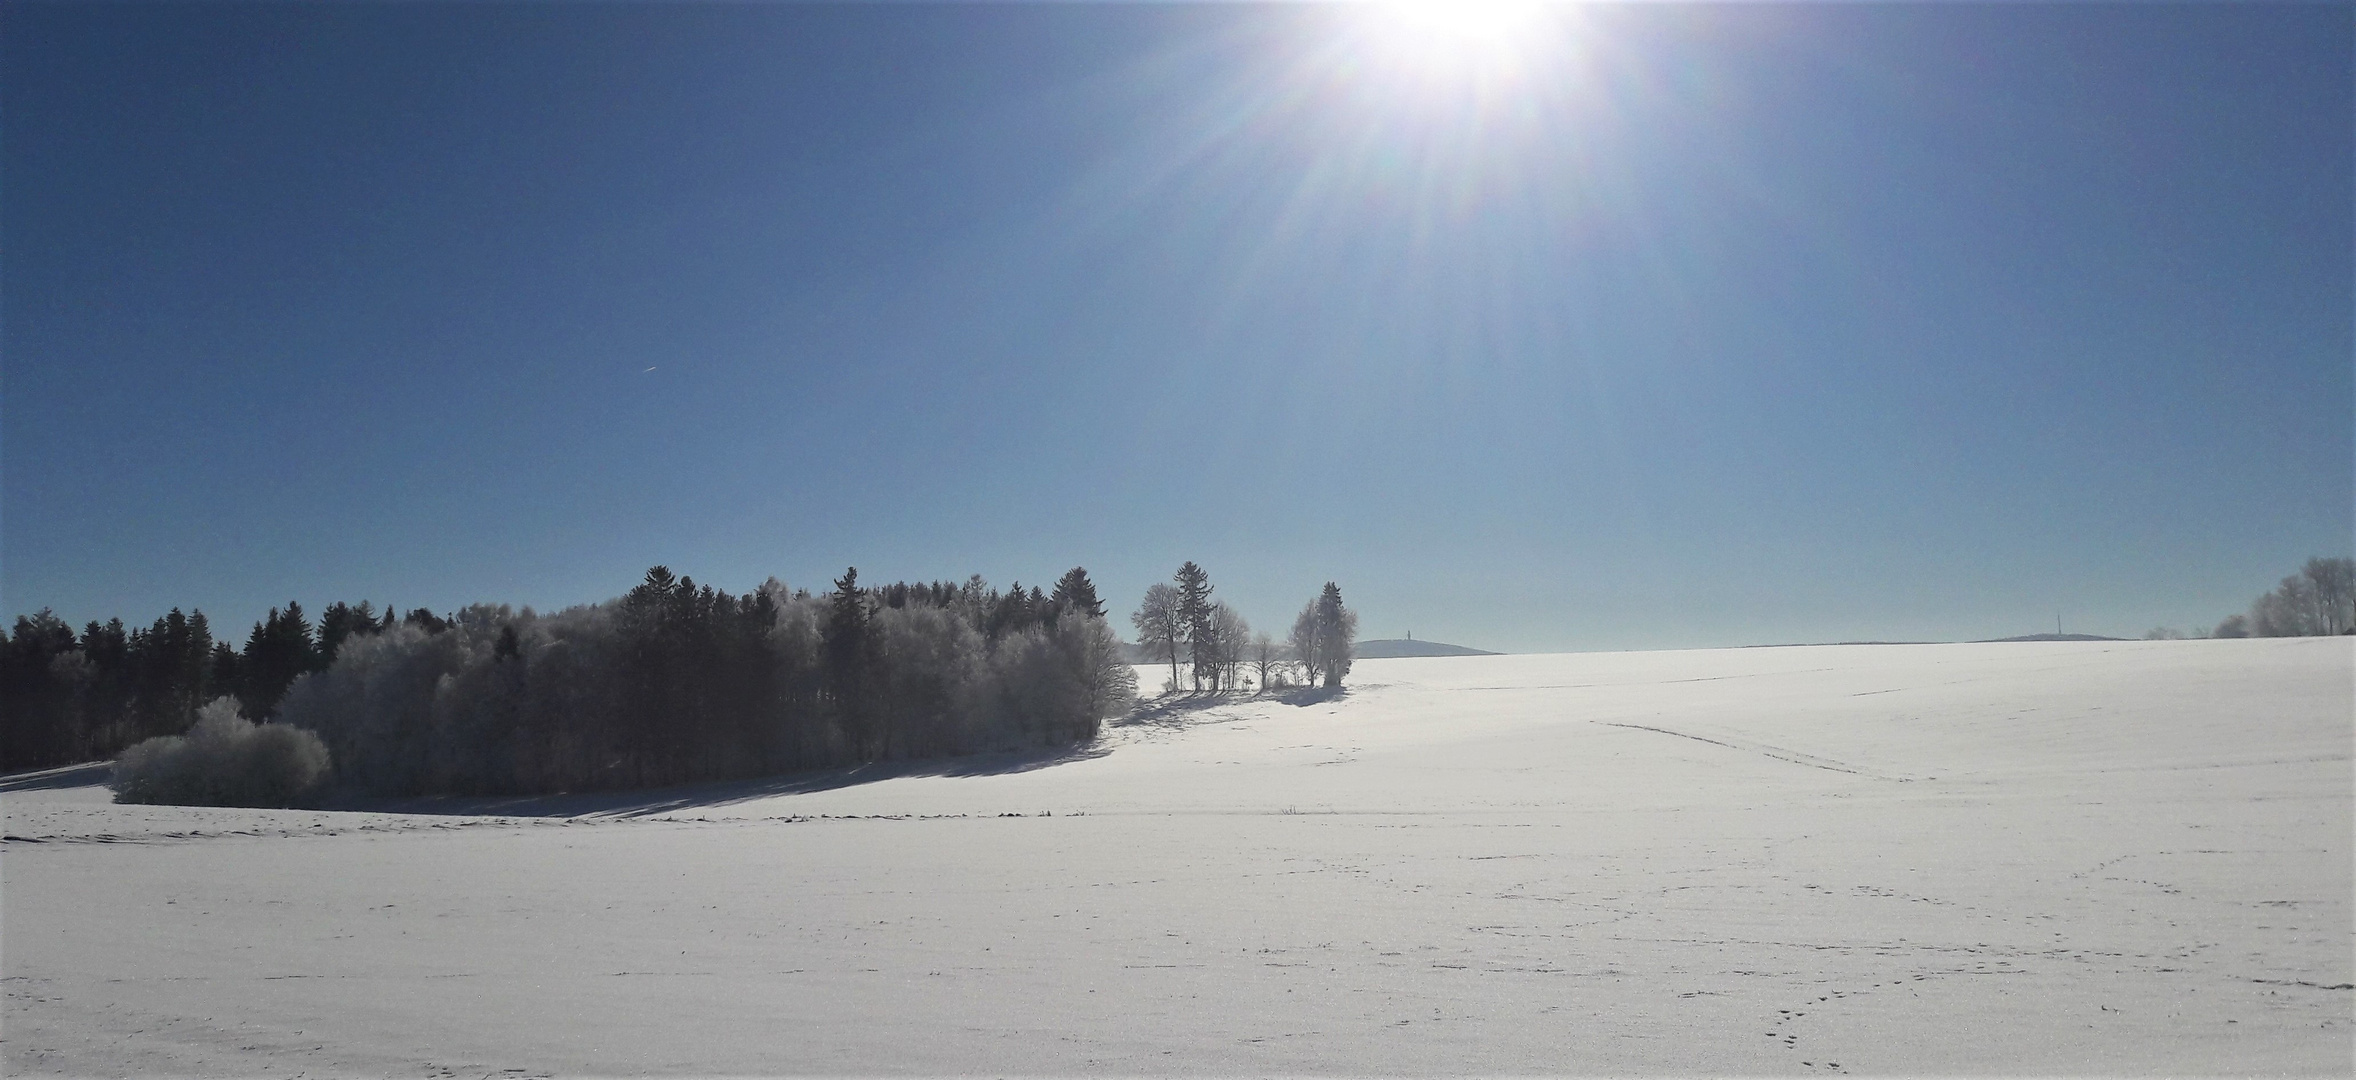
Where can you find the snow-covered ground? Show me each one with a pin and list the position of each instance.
(2119, 857)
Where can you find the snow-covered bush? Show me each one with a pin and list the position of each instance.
(224, 760)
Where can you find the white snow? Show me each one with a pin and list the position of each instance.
(2081, 858)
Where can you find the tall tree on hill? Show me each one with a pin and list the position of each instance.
(1075, 593)
(1159, 627)
(1194, 615)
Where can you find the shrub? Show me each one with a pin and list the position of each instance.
(224, 760)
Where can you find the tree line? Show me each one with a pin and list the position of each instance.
(67, 697)
(2319, 600)
(672, 682)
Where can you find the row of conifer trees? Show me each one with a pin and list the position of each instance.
(68, 697)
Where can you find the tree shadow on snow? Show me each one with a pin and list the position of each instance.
(64, 776)
(646, 801)
(1174, 710)
(1311, 695)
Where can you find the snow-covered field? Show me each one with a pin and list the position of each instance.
(2029, 858)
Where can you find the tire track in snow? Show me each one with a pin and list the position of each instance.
(1776, 752)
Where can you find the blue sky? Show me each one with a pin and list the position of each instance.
(1634, 327)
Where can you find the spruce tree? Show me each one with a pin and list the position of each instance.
(1337, 635)
(850, 656)
(1194, 615)
(1075, 593)
(339, 622)
(279, 650)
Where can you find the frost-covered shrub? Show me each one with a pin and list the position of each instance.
(224, 760)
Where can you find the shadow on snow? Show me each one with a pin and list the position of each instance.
(1166, 711)
(643, 802)
(63, 776)
(1173, 709)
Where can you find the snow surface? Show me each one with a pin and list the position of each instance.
(2079, 858)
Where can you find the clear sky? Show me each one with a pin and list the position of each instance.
(1610, 327)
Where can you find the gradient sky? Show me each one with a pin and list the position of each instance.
(1637, 327)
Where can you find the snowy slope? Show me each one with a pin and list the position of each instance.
(2120, 857)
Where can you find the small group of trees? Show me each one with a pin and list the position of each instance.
(1179, 619)
(2319, 600)
(1325, 635)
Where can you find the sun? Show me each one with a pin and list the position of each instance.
(1446, 23)
(1458, 34)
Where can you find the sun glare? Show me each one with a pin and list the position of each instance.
(1478, 35)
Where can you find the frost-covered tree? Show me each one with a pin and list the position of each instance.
(1264, 660)
(1160, 626)
(1108, 684)
(2331, 584)
(1304, 644)
(1227, 636)
(2319, 599)
(223, 760)
(339, 621)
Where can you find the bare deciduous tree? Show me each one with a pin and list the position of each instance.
(1160, 626)
(2319, 599)
(1264, 660)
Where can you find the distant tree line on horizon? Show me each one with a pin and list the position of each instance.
(2319, 600)
(670, 683)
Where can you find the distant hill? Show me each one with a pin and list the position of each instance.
(2049, 637)
(1393, 648)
